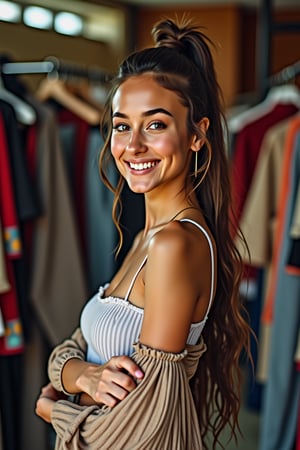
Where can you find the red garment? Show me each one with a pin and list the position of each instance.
(12, 341)
(8, 211)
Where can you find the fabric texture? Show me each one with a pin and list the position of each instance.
(111, 325)
(247, 148)
(4, 284)
(12, 341)
(159, 413)
(281, 394)
(101, 233)
(259, 217)
(58, 287)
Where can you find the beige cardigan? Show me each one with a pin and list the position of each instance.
(158, 414)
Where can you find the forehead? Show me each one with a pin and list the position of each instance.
(143, 91)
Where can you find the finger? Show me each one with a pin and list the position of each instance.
(118, 391)
(109, 400)
(124, 362)
(124, 380)
(114, 385)
(112, 397)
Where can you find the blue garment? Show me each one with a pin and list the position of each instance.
(282, 391)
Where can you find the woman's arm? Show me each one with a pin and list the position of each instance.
(73, 348)
(158, 413)
(170, 303)
(71, 374)
(177, 286)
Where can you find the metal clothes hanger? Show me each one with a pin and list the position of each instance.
(25, 113)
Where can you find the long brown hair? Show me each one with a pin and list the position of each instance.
(181, 61)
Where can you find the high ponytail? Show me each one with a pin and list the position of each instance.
(181, 61)
(188, 40)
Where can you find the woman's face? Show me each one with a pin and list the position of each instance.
(150, 141)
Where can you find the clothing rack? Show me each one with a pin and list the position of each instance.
(266, 28)
(55, 67)
(288, 73)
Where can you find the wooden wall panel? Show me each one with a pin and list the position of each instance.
(233, 30)
(221, 24)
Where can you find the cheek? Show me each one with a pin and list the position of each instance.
(116, 147)
(164, 145)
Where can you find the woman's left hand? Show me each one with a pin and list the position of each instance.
(46, 401)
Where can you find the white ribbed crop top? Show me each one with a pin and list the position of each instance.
(111, 325)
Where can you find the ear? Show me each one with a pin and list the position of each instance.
(198, 140)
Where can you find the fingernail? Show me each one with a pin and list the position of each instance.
(139, 373)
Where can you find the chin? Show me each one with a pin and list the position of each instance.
(138, 189)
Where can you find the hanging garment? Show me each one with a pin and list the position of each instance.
(293, 264)
(26, 205)
(247, 147)
(4, 284)
(258, 223)
(54, 244)
(246, 151)
(12, 339)
(258, 220)
(101, 235)
(281, 395)
(58, 287)
(79, 152)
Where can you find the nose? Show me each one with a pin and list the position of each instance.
(136, 142)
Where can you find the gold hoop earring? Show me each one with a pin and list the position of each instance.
(196, 165)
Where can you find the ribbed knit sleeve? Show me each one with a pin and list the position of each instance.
(74, 347)
(158, 414)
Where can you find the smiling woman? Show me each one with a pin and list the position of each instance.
(150, 138)
(146, 363)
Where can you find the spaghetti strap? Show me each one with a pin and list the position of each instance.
(212, 265)
(134, 278)
(211, 257)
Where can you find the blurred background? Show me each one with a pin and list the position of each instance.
(57, 238)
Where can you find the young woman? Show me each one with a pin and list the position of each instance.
(155, 361)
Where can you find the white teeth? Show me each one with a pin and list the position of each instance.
(142, 166)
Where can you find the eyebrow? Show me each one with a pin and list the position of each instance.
(148, 113)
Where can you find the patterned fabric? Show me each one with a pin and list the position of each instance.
(11, 341)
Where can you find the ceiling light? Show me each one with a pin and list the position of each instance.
(10, 12)
(68, 23)
(37, 17)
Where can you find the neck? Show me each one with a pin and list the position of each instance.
(167, 218)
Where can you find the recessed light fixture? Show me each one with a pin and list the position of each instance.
(68, 23)
(10, 12)
(37, 17)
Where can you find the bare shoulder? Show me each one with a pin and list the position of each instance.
(181, 243)
(176, 277)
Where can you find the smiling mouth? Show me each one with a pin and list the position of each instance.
(142, 166)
